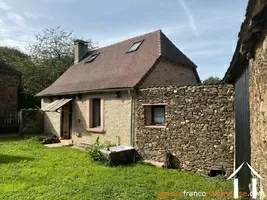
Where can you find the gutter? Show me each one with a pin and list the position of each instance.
(132, 119)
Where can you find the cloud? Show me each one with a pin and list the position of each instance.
(4, 5)
(189, 15)
(15, 18)
(15, 34)
(31, 15)
(104, 40)
(58, 1)
(208, 52)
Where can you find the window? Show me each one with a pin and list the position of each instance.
(135, 46)
(92, 57)
(158, 115)
(154, 115)
(96, 115)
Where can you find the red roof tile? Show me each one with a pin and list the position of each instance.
(113, 68)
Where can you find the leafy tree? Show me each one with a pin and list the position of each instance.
(52, 54)
(211, 80)
(48, 57)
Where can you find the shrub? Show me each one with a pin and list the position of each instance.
(95, 154)
(94, 150)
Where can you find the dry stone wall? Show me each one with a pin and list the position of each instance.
(199, 127)
(258, 111)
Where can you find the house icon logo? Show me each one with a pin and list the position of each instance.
(253, 193)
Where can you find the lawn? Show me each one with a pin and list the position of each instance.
(28, 170)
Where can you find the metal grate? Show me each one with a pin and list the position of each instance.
(8, 120)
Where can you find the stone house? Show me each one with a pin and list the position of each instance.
(96, 96)
(9, 85)
(248, 72)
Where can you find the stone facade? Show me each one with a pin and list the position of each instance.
(258, 111)
(31, 121)
(199, 126)
(116, 119)
(168, 73)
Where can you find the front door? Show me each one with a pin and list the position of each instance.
(242, 129)
(66, 121)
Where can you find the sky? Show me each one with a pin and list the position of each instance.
(204, 30)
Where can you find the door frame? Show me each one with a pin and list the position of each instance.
(69, 121)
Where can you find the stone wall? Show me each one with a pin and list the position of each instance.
(31, 121)
(199, 126)
(258, 111)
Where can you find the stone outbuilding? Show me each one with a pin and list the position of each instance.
(9, 85)
(248, 72)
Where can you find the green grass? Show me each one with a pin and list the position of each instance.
(28, 170)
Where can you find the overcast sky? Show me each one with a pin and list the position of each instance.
(205, 30)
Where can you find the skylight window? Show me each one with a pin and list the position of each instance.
(92, 57)
(135, 46)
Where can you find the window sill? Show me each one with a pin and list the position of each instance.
(155, 126)
(96, 130)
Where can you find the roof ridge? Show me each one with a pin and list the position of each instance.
(160, 45)
(177, 49)
(145, 34)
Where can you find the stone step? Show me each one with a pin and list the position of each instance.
(66, 142)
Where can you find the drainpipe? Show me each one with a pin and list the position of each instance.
(132, 119)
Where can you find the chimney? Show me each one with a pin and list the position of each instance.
(80, 49)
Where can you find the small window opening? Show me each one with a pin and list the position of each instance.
(215, 172)
(135, 46)
(155, 115)
(92, 57)
(96, 113)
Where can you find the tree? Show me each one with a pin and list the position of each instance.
(52, 54)
(47, 59)
(212, 80)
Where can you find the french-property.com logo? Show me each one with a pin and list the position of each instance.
(236, 194)
(254, 191)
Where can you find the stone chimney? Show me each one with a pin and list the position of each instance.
(80, 49)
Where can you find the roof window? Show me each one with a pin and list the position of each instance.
(135, 46)
(92, 57)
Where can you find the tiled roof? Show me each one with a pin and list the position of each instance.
(113, 68)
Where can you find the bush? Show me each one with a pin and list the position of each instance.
(94, 150)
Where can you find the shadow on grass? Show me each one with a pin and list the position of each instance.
(19, 137)
(5, 159)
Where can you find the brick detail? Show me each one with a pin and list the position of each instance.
(168, 73)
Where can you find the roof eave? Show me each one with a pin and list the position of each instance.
(84, 92)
